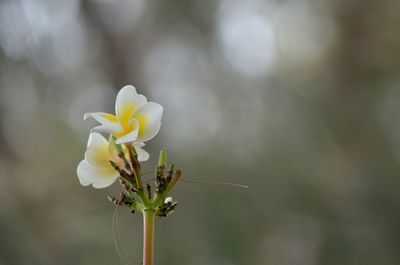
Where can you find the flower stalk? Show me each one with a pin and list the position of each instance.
(148, 236)
(151, 202)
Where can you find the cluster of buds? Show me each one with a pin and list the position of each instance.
(129, 170)
(127, 197)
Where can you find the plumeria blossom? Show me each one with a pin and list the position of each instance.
(136, 120)
(96, 169)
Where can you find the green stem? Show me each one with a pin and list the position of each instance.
(148, 236)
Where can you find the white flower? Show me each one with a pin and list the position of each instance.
(96, 169)
(136, 120)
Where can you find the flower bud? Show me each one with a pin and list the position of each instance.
(162, 159)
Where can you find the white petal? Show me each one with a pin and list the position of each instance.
(109, 122)
(101, 117)
(85, 173)
(139, 144)
(96, 139)
(99, 177)
(131, 136)
(105, 177)
(149, 117)
(127, 101)
(114, 128)
(142, 154)
(97, 152)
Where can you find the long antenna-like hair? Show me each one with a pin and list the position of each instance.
(201, 181)
(118, 238)
(215, 183)
(206, 182)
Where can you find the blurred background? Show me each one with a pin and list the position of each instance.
(298, 99)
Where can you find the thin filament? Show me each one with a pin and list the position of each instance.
(208, 182)
(117, 236)
(216, 183)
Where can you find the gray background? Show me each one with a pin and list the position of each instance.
(297, 99)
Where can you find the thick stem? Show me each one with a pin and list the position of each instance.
(148, 236)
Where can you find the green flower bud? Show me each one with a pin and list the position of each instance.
(162, 160)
